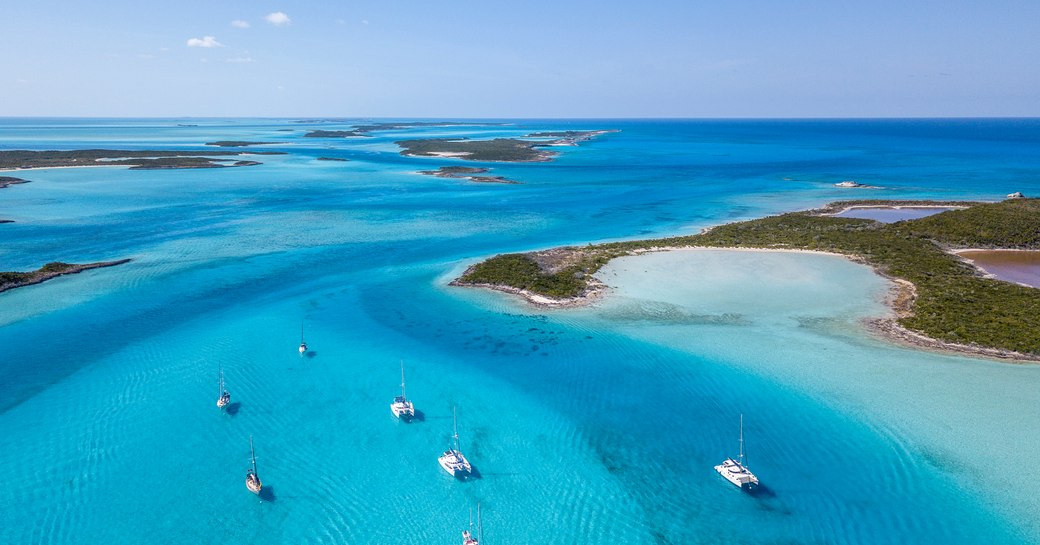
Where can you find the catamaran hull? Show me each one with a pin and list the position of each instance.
(739, 477)
(404, 414)
(454, 470)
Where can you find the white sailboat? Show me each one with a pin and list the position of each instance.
(467, 535)
(452, 460)
(252, 479)
(303, 344)
(736, 471)
(224, 397)
(401, 407)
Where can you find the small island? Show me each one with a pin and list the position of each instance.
(12, 280)
(135, 159)
(6, 181)
(340, 159)
(468, 173)
(239, 143)
(941, 301)
(569, 138)
(513, 150)
(333, 134)
(363, 130)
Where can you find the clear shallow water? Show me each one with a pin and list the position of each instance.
(596, 426)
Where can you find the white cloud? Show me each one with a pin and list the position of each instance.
(364, 21)
(205, 41)
(278, 18)
(240, 59)
(239, 23)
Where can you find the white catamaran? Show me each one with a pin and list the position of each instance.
(252, 479)
(452, 460)
(224, 397)
(401, 407)
(736, 471)
(467, 535)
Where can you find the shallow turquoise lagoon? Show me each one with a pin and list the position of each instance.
(593, 425)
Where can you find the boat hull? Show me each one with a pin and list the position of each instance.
(455, 464)
(405, 411)
(737, 475)
(253, 484)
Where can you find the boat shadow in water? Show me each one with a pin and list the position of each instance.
(761, 492)
(418, 417)
(473, 475)
(310, 354)
(267, 493)
(232, 408)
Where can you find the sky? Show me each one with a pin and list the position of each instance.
(533, 59)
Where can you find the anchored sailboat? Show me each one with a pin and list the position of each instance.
(303, 344)
(252, 479)
(401, 407)
(452, 460)
(467, 535)
(224, 397)
(736, 471)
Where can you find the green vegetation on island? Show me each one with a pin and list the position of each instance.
(239, 143)
(468, 173)
(498, 149)
(952, 302)
(137, 159)
(12, 280)
(333, 134)
(11, 180)
(363, 130)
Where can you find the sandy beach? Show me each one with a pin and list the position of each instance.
(899, 300)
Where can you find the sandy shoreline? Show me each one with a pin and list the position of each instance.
(899, 300)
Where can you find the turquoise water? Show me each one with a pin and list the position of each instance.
(596, 425)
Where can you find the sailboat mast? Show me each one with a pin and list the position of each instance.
(455, 425)
(301, 332)
(741, 439)
(402, 379)
(220, 387)
(480, 527)
(252, 455)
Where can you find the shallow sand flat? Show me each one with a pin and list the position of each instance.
(797, 318)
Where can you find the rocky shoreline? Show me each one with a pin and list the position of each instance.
(53, 270)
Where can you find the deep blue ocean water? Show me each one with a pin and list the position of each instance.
(597, 425)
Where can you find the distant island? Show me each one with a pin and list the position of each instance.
(940, 300)
(363, 130)
(516, 150)
(12, 280)
(467, 173)
(569, 138)
(239, 143)
(135, 159)
(333, 159)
